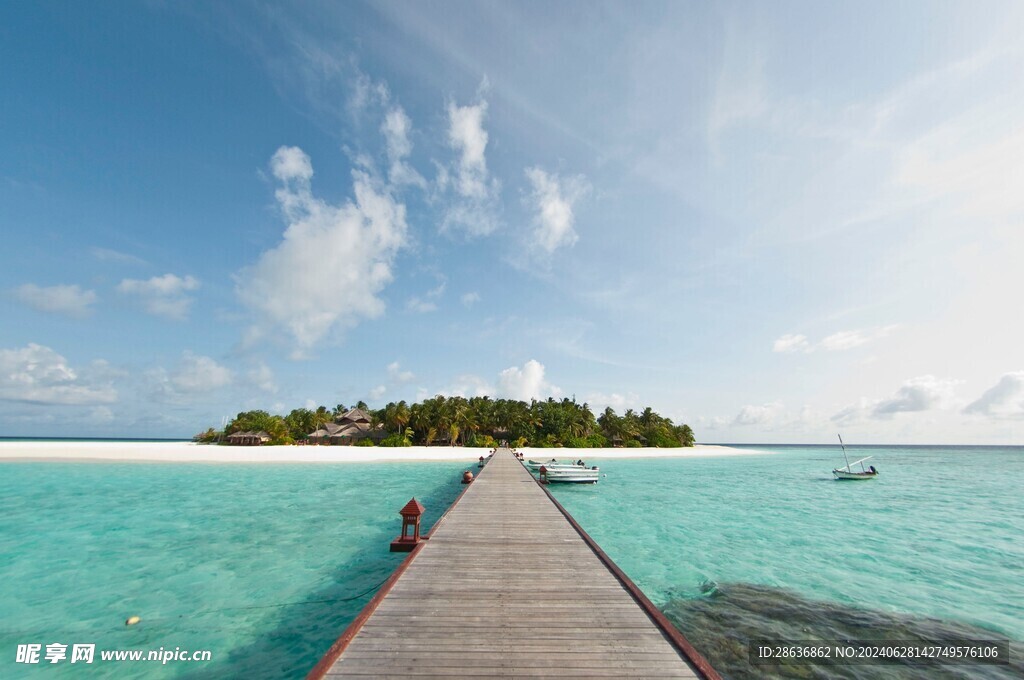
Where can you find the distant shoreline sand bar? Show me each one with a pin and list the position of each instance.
(187, 452)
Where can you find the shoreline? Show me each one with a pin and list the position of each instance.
(189, 452)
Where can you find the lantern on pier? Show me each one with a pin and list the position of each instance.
(411, 514)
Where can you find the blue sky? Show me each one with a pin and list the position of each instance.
(772, 223)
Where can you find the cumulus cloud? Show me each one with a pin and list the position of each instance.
(917, 394)
(922, 393)
(378, 392)
(763, 415)
(1005, 399)
(792, 343)
(396, 128)
(837, 342)
(37, 374)
(466, 386)
(162, 295)
(467, 137)
(397, 375)
(197, 373)
(470, 299)
(598, 401)
(552, 199)
(68, 300)
(473, 210)
(194, 376)
(526, 383)
(332, 262)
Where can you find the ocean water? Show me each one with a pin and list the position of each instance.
(772, 547)
(263, 565)
(266, 564)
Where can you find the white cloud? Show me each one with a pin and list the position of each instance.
(194, 376)
(470, 299)
(199, 374)
(290, 163)
(526, 383)
(397, 375)
(553, 199)
(917, 394)
(466, 386)
(792, 343)
(844, 340)
(922, 393)
(396, 128)
(419, 306)
(712, 423)
(69, 300)
(854, 413)
(839, 341)
(758, 415)
(162, 295)
(263, 378)
(108, 255)
(427, 303)
(473, 210)
(467, 136)
(378, 392)
(37, 374)
(1005, 399)
(332, 262)
(598, 401)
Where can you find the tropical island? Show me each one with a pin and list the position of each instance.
(457, 421)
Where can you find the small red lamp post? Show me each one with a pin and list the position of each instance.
(411, 514)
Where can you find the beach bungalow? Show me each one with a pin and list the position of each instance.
(248, 438)
(347, 428)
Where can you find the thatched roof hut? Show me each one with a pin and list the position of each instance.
(248, 438)
(347, 428)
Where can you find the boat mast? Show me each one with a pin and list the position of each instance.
(844, 453)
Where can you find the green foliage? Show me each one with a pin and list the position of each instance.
(633, 444)
(480, 421)
(594, 441)
(482, 441)
(211, 436)
(365, 441)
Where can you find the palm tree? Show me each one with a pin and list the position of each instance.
(321, 416)
(401, 415)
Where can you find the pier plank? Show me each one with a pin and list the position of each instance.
(507, 586)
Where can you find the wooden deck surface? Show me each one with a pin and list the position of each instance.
(506, 587)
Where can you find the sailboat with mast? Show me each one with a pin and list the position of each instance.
(848, 472)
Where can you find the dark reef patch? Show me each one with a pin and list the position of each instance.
(728, 616)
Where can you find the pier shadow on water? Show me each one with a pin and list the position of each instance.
(722, 623)
(304, 632)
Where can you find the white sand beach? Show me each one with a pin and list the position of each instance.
(188, 452)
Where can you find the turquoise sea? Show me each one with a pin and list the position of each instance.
(265, 564)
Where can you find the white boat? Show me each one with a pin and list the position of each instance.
(536, 464)
(574, 474)
(849, 473)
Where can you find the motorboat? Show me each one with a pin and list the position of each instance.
(572, 474)
(536, 464)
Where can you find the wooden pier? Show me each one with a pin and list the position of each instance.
(508, 585)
